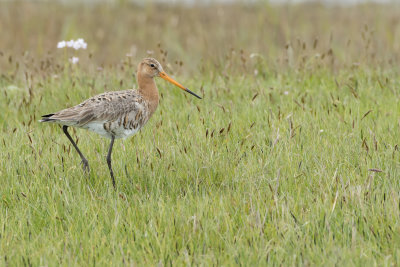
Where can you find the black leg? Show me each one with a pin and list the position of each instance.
(109, 161)
(85, 162)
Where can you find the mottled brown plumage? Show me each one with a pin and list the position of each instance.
(117, 114)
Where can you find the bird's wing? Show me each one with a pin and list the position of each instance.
(105, 107)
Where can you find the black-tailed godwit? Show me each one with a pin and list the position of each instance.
(117, 114)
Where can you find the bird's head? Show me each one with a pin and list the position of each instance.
(152, 68)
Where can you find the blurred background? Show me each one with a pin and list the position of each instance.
(291, 158)
(198, 36)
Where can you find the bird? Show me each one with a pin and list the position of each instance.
(116, 114)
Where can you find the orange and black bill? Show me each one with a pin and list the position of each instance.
(169, 79)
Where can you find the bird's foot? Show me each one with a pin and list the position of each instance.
(85, 165)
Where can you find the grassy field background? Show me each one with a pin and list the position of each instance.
(291, 158)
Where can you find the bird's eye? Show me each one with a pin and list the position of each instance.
(152, 65)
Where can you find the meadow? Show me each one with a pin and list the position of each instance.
(291, 157)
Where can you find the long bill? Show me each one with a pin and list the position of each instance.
(169, 79)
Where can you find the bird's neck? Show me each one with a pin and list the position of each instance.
(148, 89)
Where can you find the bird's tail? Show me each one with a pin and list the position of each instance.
(47, 118)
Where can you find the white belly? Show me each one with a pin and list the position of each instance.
(118, 132)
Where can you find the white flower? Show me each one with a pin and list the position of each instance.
(255, 55)
(286, 92)
(321, 131)
(61, 44)
(70, 43)
(82, 42)
(74, 60)
(78, 44)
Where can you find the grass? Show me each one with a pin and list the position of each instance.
(292, 161)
